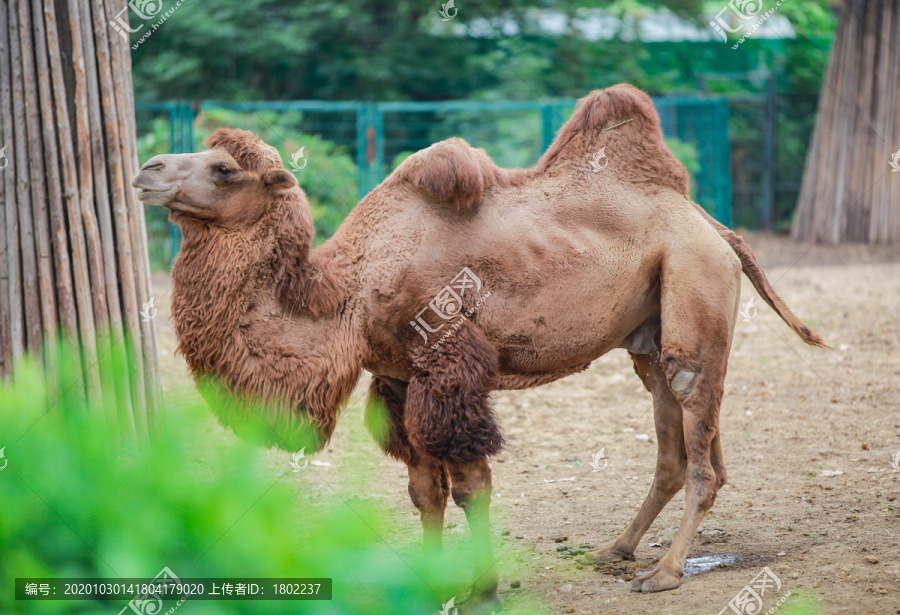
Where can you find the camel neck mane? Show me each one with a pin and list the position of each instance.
(227, 273)
(263, 314)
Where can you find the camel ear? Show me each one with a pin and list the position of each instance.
(279, 181)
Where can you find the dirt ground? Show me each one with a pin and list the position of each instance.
(809, 437)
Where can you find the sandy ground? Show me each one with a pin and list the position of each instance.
(809, 437)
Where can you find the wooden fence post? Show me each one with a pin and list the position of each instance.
(73, 255)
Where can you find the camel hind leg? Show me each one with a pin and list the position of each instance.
(699, 307)
(671, 460)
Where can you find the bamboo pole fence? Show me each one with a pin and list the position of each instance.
(851, 191)
(74, 262)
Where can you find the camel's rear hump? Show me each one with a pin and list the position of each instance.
(622, 122)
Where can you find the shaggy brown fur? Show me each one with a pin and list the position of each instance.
(299, 282)
(385, 420)
(454, 278)
(448, 415)
(451, 171)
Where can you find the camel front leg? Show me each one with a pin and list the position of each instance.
(429, 487)
(448, 417)
(471, 489)
(429, 483)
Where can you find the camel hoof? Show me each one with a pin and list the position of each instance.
(638, 581)
(482, 604)
(607, 554)
(658, 581)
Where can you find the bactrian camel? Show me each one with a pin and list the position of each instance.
(455, 278)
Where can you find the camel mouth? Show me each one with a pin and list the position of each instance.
(155, 196)
(143, 189)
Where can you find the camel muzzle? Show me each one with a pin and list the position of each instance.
(155, 188)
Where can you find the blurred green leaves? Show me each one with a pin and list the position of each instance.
(74, 503)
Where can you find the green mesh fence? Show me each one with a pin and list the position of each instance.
(772, 180)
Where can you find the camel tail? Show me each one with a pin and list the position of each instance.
(757, 276)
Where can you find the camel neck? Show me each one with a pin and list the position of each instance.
(231, 321)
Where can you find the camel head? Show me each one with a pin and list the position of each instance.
(230, 185)
(238, 207)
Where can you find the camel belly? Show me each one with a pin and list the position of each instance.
(513, 381)
(564, 324)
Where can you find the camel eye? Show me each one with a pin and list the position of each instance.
(223, 170)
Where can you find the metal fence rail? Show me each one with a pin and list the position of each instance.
(374, 137)
(704, 123)
(769, 138)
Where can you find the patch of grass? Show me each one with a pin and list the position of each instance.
(800, 604)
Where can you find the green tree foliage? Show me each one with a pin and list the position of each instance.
(402, 50)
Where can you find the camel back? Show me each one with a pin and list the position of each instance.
(621, 117)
